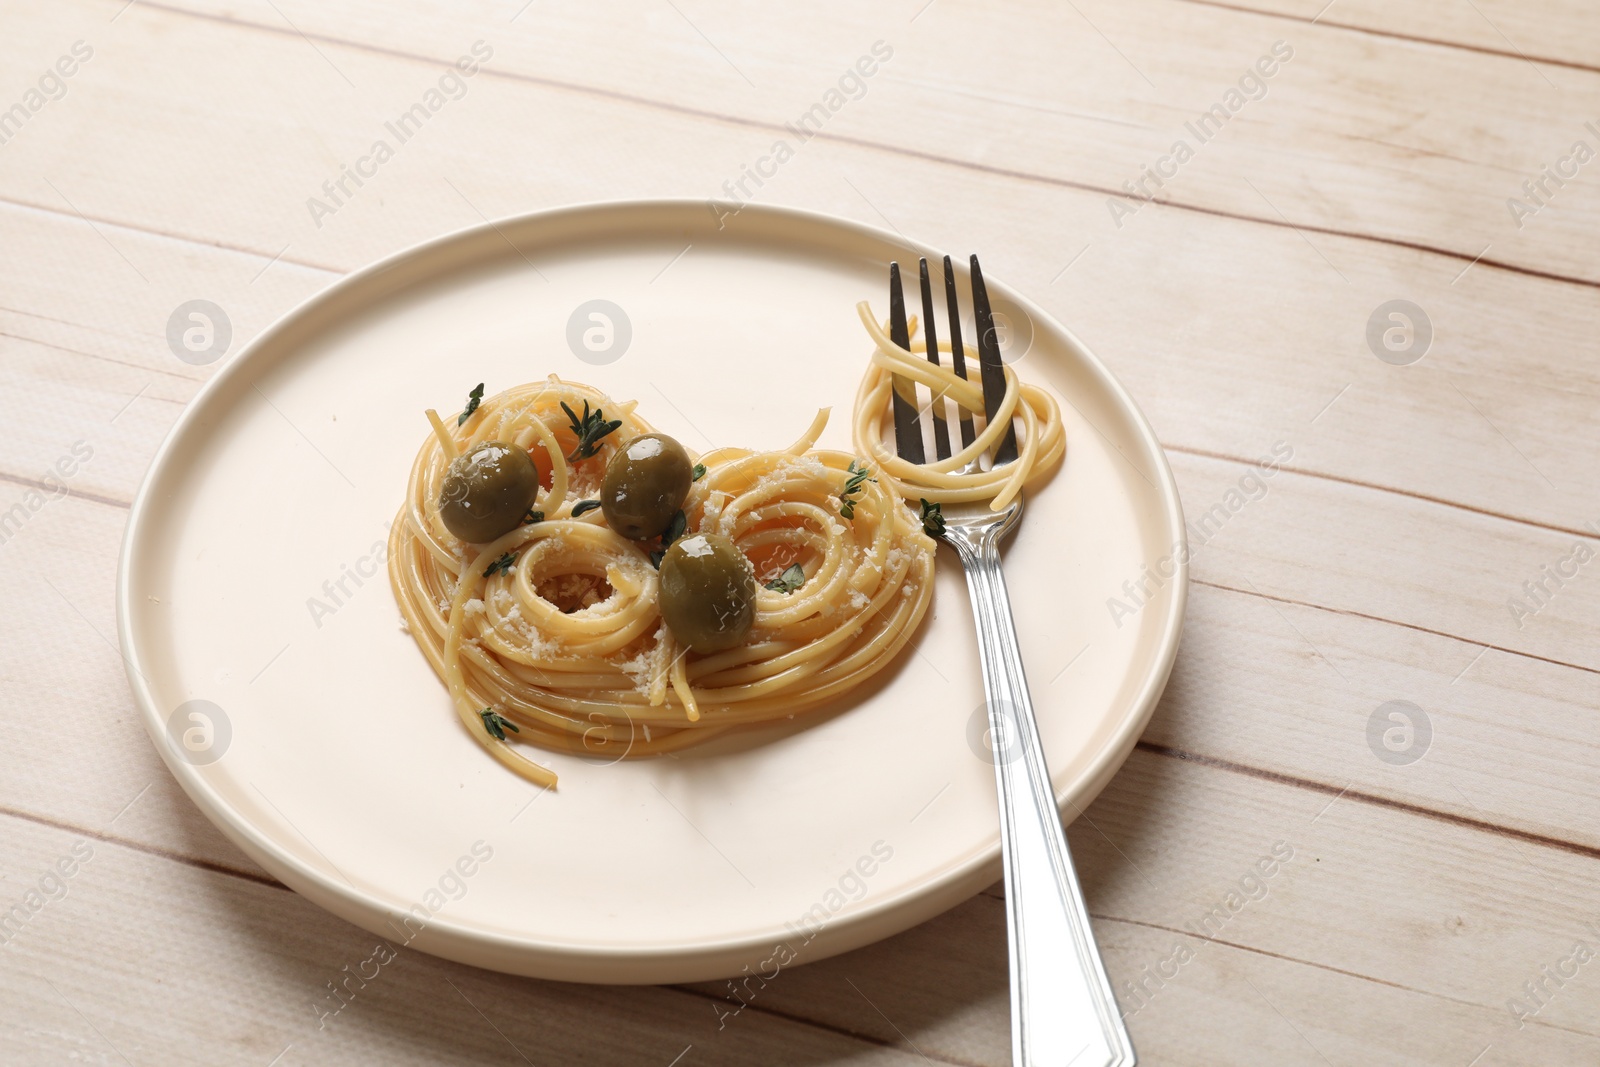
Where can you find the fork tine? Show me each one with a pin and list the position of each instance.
(941, 424)
(907, 430)
(958, 355)
(994, 376)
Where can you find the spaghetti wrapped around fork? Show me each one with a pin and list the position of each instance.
(1041, 438)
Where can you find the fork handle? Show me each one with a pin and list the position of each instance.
(1062, 1008)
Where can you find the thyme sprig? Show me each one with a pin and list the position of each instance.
(791, 579)
(474, 398)
(497, 724)
(852, 486)
(590, 428)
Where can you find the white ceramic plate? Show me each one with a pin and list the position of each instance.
(333, 757)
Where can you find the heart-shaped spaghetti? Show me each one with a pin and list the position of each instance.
(553, 631)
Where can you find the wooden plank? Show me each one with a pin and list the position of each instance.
(100, 370)
(1423, 146)
(1451, 571)
(1508, 742)
(1372, 892)
(63, 562)
(1216, 1010)
(1552, 31)
(140, 960)
(1270, 1011)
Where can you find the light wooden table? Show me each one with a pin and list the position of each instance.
(1391, 559)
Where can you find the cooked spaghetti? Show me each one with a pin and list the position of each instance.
(1041, 439)
(555, 630)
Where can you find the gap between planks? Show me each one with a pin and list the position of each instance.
(165, 235)
(147, 849)
(1328, 967)
(843, 1031)
(1393, 622)
(1374, 799)
(1328, 476)
(24, 338)
(997, 893)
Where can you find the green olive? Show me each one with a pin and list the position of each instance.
(646, 483)
(708, 592)
(488, 491)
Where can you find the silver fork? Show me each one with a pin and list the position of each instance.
(1062, 1008)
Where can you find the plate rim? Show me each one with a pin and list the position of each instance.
(628, 964)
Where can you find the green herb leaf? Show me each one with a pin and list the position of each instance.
(474, 398)
(532, 517)
(584, 506)
(699, 471)
(847, 503)
(590, 428)
(497, 724)
(932, 519)
(502, 565)
(674, 531)
(790, 580)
